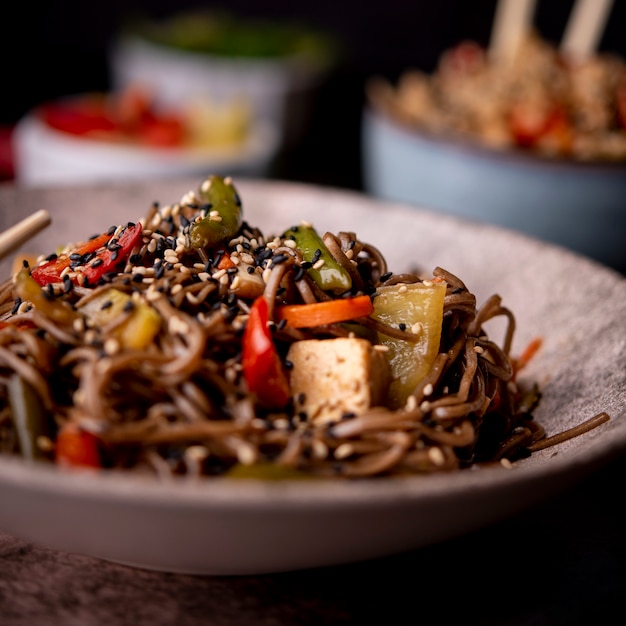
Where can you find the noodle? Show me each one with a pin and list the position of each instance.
(180, 404)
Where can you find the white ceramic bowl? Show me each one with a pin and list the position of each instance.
(45, 156)
(578, 205)
(249, 527)
(278, 90)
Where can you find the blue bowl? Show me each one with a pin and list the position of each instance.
(578, 205)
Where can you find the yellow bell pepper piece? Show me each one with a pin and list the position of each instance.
(137, 331)
(418, 310)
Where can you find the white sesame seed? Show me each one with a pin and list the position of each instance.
(319, 264)
(236, 282)
(224, 279)
(197, 453)
(506, 463)
(267, 272)
(417, 328)
(176, 288)
(479, 349)
(343, 451)
(112, 346)
(411, 403)
(428, 390)
(320, 449)
(427, 283)
(246, 454)
(436, 456)
(217, 275)
(402, 289)
(380, 347)
(425, 406)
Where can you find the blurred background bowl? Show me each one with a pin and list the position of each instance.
(46, 154)
(274, 67)
(580, 205)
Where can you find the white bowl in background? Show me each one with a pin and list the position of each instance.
(579, 205)
(278, 90)
(45, 156)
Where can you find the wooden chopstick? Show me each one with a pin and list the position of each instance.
(585, 28)
(512, 22)
(16, 235)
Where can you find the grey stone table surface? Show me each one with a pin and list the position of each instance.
(560, 563)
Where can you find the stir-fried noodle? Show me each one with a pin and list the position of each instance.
(181, 403)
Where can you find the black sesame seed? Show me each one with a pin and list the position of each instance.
(402, 326)
(135, 258)
(277, 259)
(250, 269)
(129, 305)
(385, 277)
(111, 230)
(316, 255)
(106, 305)
(306, 265)
(137, 278)
(288, 364)
(16, 305)
(97, 262)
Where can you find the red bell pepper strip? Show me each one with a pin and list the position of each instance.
(326, 312)
(76, 447)
(51, 271)
(262, 368)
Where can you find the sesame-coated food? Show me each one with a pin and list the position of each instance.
(188, 342)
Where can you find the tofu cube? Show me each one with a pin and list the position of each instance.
(331, 377)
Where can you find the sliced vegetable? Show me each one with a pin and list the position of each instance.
(108, 253)
(326, 312)
(114, 254)
(28, 289)
(262, 367)
(225, 213)
(50, 272)
(324, 270)
(76, 447)
(418, 309)
(29, 416)
(140, 327)
(266, 471)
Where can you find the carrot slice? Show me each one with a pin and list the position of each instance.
(327, 312)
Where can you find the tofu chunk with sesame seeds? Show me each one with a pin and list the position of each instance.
(332, 377)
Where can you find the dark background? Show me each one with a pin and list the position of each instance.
(60, 48)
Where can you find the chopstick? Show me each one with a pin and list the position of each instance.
(16, 235)
(584, 28)
(510, 25)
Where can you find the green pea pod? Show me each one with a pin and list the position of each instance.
(224, 217)
(329, 275)
(29, 417)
